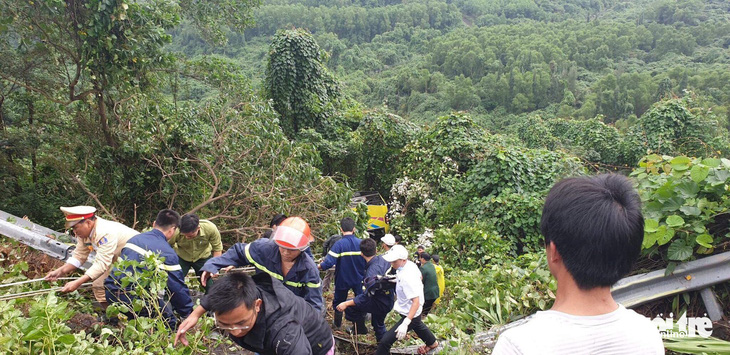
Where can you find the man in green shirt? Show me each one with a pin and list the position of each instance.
(430, 282)
(196, 242)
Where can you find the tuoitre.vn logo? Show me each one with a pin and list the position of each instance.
(685, 327)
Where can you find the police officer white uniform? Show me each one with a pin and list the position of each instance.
(105, 237)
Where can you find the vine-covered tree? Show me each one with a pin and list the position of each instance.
(303, 91)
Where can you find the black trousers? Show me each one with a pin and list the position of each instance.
(427, 307)
(416, 325)
(197, 266)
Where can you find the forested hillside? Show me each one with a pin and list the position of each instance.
(497, 59)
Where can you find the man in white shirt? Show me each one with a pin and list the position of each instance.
(593, 231)
(408, 303)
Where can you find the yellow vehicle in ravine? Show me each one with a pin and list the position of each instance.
(377, 210)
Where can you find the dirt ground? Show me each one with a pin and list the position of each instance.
(39, 264)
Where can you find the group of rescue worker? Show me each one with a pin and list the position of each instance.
(280, 309)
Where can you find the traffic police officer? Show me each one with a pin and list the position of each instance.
(350, 268)
(92, 234)
(137, 249)
(281, 257)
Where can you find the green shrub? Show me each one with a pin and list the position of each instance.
(685, 208)
(499, 293)
(470, 246)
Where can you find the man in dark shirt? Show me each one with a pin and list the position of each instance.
(378, 296)
(137, 249)
(430, 283)
(262, 315)
(350, 266)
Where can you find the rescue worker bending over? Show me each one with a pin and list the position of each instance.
(378, 296)
(137, 249)
(195, 242)
(92, 233)
(281, 257)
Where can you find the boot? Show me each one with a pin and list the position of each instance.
(338, 319)
(358, 328)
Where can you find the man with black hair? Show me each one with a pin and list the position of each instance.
(430, 283)
(137, 249)
(275, 222)
(417, 256)
(378, 296)
(593, 230)
(196, 242)
(350, 268)
(262, 315)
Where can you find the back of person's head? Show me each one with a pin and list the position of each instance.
(167, 219)
(425, 256)
(435, 258)
(597, 227)
(368, 246)
(347, 224)
(189, 223)
(398, 238)
(231, 291)
(278, 218)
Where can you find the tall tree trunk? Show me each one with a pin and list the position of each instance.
(101, 109)
(31, 128)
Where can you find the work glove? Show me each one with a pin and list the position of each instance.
(402, 329)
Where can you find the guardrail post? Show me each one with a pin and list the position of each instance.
(714, 310)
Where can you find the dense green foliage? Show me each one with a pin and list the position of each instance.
(566, 58)
(686, 205)
(495, 294)
(108, 117)
(44, 327)
(455, 171)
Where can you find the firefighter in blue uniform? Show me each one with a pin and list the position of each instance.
(138, 248)
(281, 258)
(378, 296)
(350, 268)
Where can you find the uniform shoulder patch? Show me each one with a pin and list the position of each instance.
(102, 241)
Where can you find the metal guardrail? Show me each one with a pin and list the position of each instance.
(691, 276)
(636, 290)
(35, 236)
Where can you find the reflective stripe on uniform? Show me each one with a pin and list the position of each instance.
(275, 275)
(344, 253)
(146, 253)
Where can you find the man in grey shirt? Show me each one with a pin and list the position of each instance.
(593, 231)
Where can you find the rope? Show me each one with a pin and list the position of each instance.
(36, 292)
(34, 280)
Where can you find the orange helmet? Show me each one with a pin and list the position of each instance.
(293, 233)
